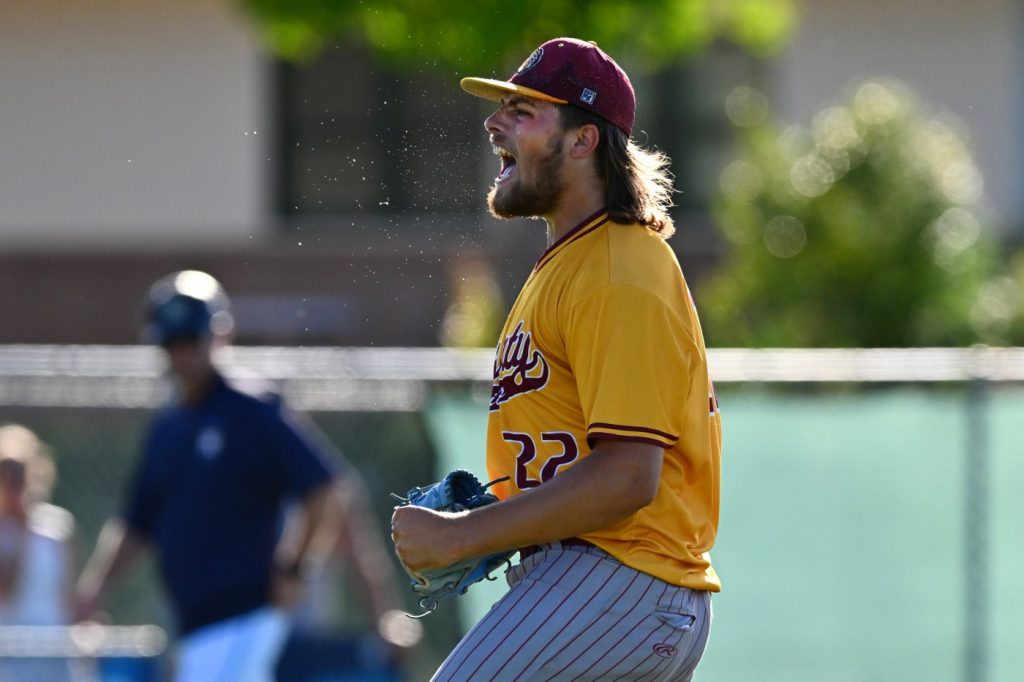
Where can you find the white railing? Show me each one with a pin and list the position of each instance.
(86, 640)
(397, 379)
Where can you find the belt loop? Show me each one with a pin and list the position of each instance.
(555, 544)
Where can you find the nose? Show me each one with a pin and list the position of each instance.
(491, 123)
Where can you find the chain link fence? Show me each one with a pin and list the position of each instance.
(379, 407)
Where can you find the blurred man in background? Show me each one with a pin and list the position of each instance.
(36, 557)
(219, 468)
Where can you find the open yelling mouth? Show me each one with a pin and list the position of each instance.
(508, 164)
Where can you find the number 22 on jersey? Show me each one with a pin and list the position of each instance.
(567, 452)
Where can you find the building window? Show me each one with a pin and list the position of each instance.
(356, 136)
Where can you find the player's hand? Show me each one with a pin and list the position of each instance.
(82, 610)
(84, 607)
(425, 538)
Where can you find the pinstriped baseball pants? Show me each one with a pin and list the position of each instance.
(576, 613)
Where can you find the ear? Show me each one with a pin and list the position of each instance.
(584, 141)
(222, 340)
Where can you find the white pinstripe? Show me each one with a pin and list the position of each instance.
(576, 613)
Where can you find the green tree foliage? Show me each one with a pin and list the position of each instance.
(863, 229)
(478, 34)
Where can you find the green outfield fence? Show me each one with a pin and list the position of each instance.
(871, 511)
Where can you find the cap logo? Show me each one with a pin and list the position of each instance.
(531, 61)
(588, 95)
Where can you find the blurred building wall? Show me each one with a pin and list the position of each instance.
(128, 123)
(137, 138)
(963, 57)
(125, 123)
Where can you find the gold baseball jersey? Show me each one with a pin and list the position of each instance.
(603, 342)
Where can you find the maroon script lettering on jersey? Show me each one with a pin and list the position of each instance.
(518, 368)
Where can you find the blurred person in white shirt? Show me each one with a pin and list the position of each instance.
(36, 557)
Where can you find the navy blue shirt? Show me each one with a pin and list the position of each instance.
(210, 492)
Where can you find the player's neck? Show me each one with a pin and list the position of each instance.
(574, 208)
(195, 390)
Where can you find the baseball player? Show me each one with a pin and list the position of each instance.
(602, 413)
(209, 494)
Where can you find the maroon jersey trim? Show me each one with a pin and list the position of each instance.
(581, 230)
(601, 435)
(640, 429)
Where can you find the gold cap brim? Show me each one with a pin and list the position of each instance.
(492, 89)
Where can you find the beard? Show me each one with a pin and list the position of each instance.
(540, 198)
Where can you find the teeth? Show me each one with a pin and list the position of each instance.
(508, 161)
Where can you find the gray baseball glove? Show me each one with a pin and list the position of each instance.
(458, 491)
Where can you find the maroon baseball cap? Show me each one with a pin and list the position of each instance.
(568, 71)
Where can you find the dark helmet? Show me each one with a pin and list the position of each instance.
(186, 305)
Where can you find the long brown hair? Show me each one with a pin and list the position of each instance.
(638, 184)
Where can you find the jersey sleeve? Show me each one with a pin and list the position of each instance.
(301, 453)
(631, 354)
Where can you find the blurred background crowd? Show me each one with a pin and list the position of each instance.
(848, 176)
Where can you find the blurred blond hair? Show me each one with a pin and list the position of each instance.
(21, 445)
